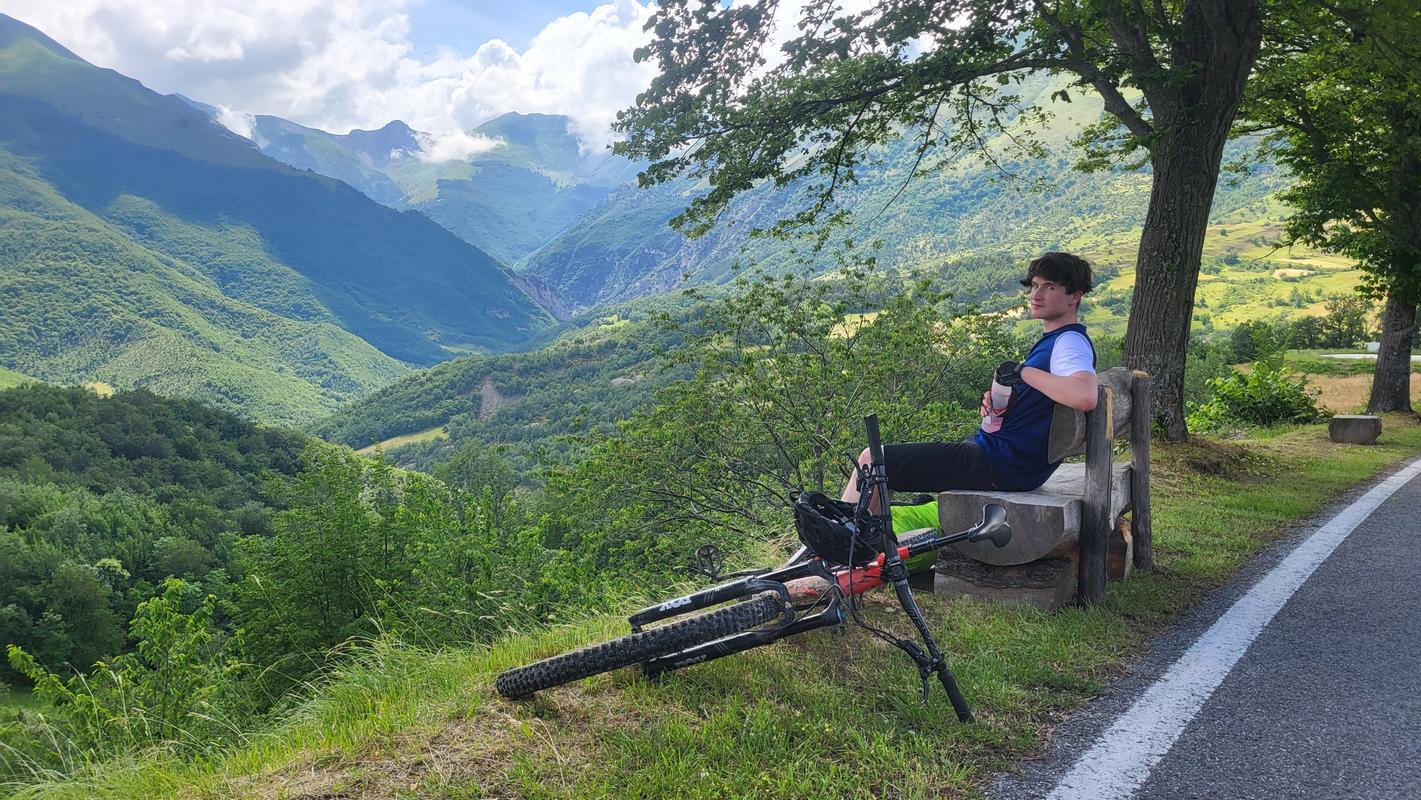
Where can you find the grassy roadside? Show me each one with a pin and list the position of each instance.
(829, 714)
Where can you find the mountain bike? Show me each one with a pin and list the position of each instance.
(848, 550)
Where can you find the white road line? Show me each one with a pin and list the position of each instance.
(1121, 759)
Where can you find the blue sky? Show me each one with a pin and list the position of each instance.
(466, 24)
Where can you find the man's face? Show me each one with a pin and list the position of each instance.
(1050, 300)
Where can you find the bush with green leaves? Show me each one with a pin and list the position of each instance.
(786, 370)
(1207, 358)
(174, 687)
(1267, 394)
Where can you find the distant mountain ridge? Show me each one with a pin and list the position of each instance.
(532, 183)
(143, 245)
(591, 236)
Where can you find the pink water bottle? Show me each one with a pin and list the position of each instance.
(999, 399)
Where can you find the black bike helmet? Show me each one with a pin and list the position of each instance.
(828, 528)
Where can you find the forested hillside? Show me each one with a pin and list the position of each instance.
(595, 370)
(905, 213)
(143, 245)
(599, 369)
(103, 498)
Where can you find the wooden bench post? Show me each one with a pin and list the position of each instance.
(1141, 527)
(1096, 523)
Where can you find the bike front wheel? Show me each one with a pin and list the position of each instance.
(636, 648)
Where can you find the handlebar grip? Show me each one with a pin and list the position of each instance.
(959, 703)
(875, 445)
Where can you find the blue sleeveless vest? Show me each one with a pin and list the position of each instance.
(1018, 449)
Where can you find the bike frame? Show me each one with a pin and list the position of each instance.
(804, 586)
(812, 583)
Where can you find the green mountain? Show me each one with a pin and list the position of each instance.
(533, 182)
(143, 245)
(920, 215)
(351, 159)
(600, 368)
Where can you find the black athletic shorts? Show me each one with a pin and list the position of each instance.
(938, 467)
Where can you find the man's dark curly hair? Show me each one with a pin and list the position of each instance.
(1072, 272)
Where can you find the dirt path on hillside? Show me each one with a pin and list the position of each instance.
(490, 399)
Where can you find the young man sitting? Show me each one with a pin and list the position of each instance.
(1060, 368)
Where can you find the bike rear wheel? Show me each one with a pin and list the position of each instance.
(638, 647)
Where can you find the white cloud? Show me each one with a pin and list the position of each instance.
(343, 64)
(236, 121)
(455, 146)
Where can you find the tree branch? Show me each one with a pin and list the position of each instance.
(1081, 64)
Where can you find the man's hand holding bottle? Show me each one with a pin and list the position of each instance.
(997, 400)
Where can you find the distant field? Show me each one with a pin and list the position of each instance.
(1348, 394)
(1244, 278)
(100, 388)
(9, 377)
(409, 438)
(852, 324)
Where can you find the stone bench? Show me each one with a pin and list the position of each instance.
(1069, 534)
(1039, 566)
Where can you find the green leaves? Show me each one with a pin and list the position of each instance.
(162, 691)
(726, 109)
(1267, 394)
(785, 371)
(1337, 88)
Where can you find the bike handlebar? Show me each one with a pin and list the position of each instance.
(875, 446)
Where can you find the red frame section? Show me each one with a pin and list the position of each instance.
(852, 581)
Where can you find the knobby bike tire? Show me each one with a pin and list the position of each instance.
(638, 647)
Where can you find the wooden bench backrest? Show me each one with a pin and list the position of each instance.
(1068, 426)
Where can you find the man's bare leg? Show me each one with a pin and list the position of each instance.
(851, 490)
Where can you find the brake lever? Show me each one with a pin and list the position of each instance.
(922, 661)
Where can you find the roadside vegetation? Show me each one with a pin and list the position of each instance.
(835, 714)
(338, 629)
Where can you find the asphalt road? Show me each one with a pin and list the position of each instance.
(1324, 703)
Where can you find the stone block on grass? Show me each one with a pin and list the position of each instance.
(1354, 428)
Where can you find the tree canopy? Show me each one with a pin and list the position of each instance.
(739, 101)
(1339, 87)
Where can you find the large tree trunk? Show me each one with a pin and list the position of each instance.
(1391, 382)
(1213, 54)
(1166, 274)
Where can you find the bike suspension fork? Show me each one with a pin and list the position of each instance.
(933, 661)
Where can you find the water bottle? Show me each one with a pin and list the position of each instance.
(1008, 375)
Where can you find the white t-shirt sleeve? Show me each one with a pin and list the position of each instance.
(1071, 354)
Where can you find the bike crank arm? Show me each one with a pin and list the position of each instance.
(833, 614)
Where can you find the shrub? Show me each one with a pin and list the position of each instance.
(175, 686)
(1266, 395)
(1207, 359)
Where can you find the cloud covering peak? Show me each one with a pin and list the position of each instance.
(344, 64)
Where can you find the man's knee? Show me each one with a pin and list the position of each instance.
(866, 457)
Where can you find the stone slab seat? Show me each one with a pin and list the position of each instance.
(1044, 523)
(1354, 428)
